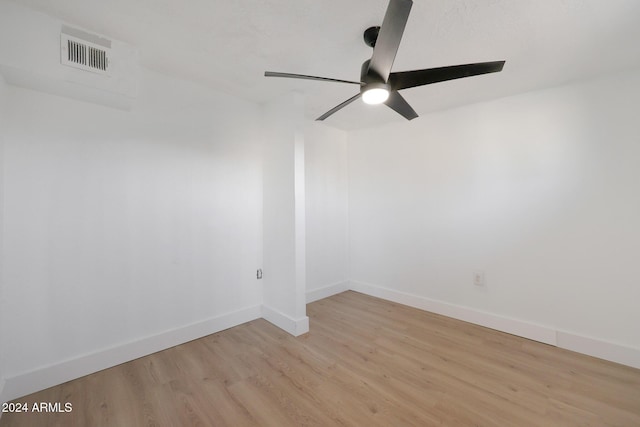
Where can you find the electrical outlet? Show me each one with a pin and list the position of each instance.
(478, 278)
(259, 274)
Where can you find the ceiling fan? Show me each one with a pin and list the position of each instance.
(377, 83)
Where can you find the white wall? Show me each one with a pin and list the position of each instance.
(326, 210)
(120, 226)
(283, 215)
(540, 191)
(125, 232)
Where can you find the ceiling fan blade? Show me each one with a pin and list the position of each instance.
(302, 76)
(384, 52)
(398, 104)
(407, 79)
(338, 107)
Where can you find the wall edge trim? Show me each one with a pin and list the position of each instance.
(532, 331)
(44, 377)
(327, 291)
(295, 327)
(602, 349)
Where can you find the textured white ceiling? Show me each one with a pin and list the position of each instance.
(229, 44)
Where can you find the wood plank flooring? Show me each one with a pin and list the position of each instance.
(365, 362)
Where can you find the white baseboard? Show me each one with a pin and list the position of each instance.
(58, 373)
(295, 327)
(38, 379)
(549, 335)
(509, 325)
(598, 348)
(327, 291)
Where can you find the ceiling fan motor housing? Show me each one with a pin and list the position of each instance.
(369, 76)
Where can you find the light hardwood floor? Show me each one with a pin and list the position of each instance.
(366, 362)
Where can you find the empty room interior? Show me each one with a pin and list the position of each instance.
(318, 213)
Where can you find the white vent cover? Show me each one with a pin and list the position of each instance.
(85, 55)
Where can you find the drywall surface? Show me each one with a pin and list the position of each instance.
(121, 225)
(540, 192)
(326, 206)
(283, 215)
(2, 302)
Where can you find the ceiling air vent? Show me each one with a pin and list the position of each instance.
(83, 54)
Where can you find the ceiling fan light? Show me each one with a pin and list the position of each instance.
(376, 95)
